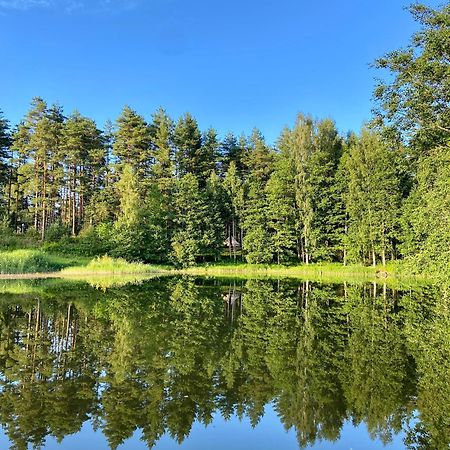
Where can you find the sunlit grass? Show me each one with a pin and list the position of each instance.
(327, 272)
(108, 265)
(28, 261)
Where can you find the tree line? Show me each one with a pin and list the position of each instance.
(164, 190)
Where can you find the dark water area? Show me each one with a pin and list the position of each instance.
(192, 363)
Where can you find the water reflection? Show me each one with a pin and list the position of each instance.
(162, 355)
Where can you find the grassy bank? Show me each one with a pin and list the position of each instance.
(114, 266)
(32, 261)
(35, 261)
(318, 271)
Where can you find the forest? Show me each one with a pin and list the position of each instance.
(158, 189)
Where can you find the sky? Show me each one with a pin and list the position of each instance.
(233, 64)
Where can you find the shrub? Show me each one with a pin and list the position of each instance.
(56, 232)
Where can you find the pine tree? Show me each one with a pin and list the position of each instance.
(188, 142)
(208, 163)
(5, 170)
(215, 220)
(231, 151)
(37, 141)
(163, 169)
(84, 163)
(132, 143)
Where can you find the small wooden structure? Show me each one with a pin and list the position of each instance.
(231, 243)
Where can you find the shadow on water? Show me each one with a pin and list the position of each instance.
(160, 355)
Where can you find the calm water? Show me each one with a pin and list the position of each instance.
(199, 364)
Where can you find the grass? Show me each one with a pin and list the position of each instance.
(327, 272)
(115, 266)
(32, 261)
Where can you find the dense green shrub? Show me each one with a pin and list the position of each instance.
(10, 240)
(56, 232)
(90, 242)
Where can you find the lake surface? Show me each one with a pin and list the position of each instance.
(192, 363)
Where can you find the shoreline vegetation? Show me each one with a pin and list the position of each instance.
(34, 264)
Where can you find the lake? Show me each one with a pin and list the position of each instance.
(196, 363)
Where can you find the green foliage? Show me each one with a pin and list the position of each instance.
(281, 211)
(426, 216)
(413, 103)
(132, 142)
(107, 264)
(190, 213)
(373, 199)
(158, 357)
(27, 261)
(257, 240)
(56, 232)
(130, 231)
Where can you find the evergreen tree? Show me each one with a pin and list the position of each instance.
(258, 166)
(258, 158)
(163, 170)
(84, 161)
(38, 140)
(132, 142)
(190, 214)
(214, 222)
(188, 142)
(231, 151)
(5, 175)
(210, 155)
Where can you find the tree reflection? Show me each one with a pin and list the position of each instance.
(164, 354)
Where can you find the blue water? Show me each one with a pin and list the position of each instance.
(222, 434)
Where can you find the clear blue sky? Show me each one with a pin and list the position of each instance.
(234, 64)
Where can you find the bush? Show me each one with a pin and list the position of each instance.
(10, 240)
(90, 242)
(56, 232)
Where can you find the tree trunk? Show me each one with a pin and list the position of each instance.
(9, 191)
(345, 248)
(44, 202)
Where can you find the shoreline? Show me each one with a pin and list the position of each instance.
(315, 272)
(62, 274)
